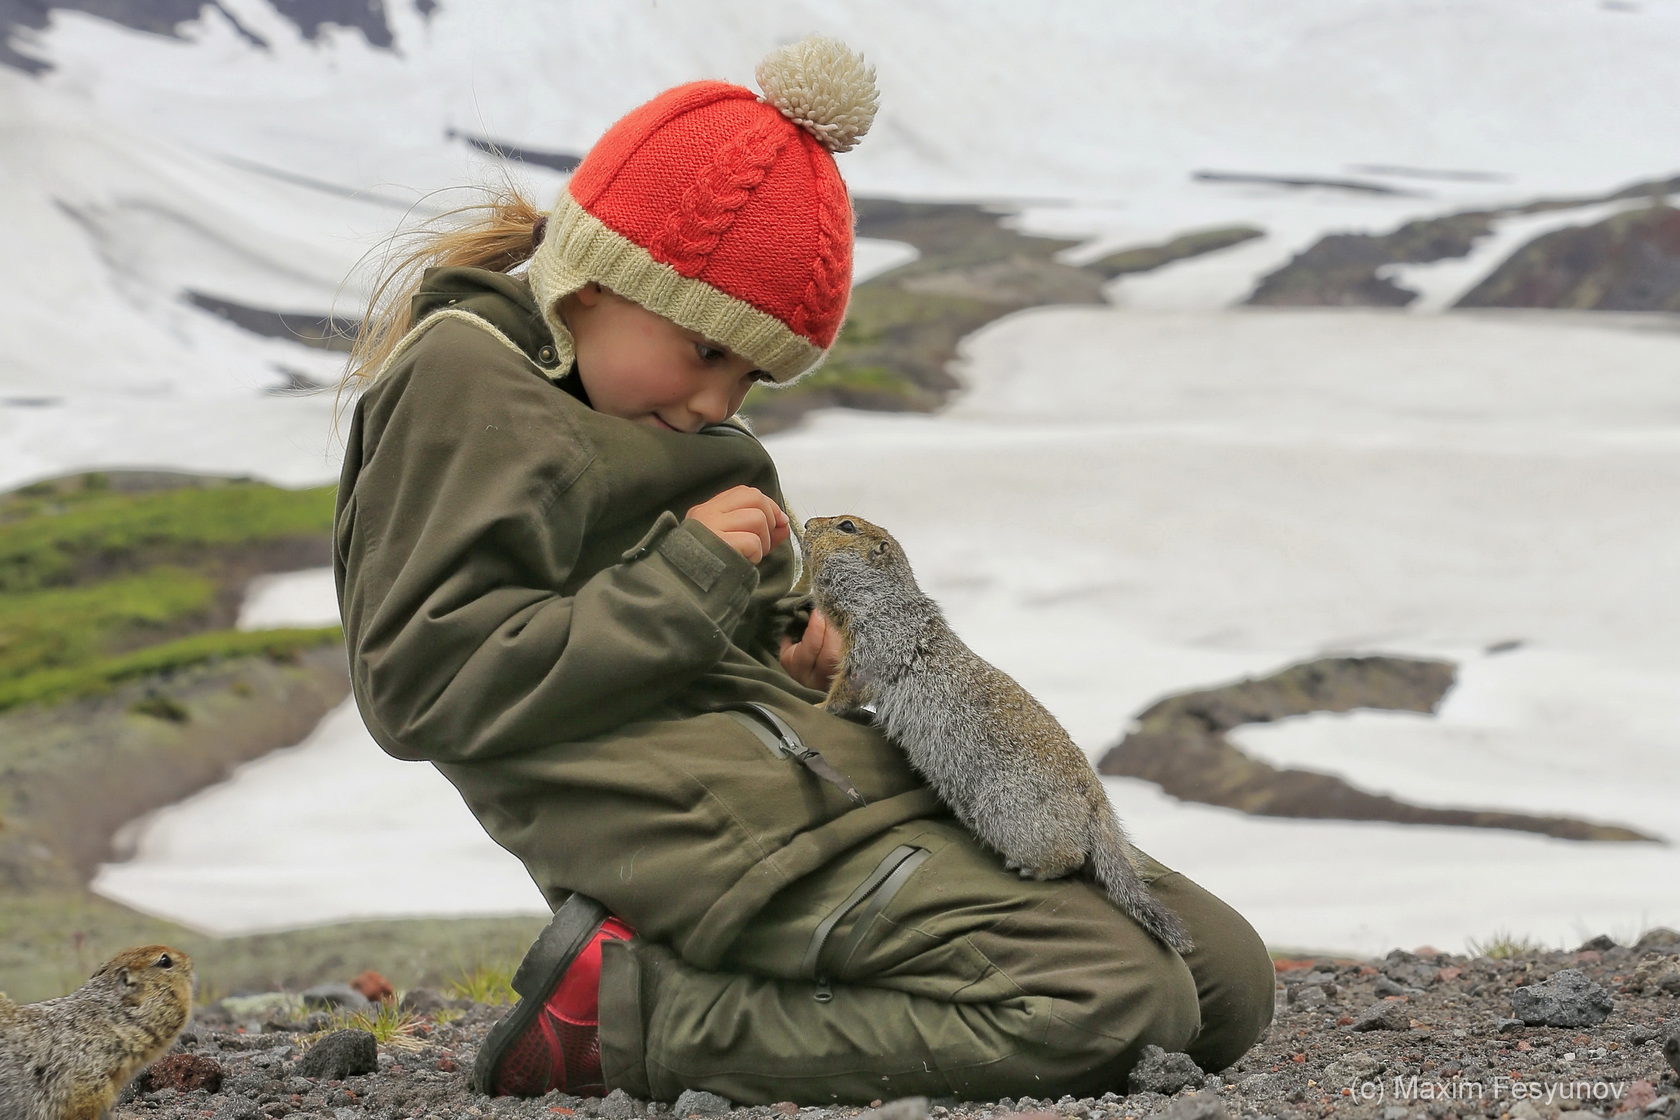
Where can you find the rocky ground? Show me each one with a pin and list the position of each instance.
(1414, 1036)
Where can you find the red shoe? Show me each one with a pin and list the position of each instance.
(551, 1039)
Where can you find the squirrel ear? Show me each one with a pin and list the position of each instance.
(881, 548)
(123, 978)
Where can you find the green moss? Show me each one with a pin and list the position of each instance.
(49, 537)
(59, 627)
(99, 674)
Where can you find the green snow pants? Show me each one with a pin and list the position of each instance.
(916, 964)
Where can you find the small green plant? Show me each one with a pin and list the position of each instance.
(386, 1022)
(1503, 944)
(487, 983)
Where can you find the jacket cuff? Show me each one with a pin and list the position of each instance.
(717, 572)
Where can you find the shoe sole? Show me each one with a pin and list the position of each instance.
(559, 944)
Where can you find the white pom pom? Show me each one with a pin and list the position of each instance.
(823, 86)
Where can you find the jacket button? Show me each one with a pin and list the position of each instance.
(547, 355)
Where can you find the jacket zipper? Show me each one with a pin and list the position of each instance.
(878, 889)
(776, 734)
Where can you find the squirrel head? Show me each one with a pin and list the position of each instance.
(137, 973)
(854, 561)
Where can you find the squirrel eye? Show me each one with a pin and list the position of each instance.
(164, 961)
(846, 526)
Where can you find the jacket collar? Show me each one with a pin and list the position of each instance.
(503, 301)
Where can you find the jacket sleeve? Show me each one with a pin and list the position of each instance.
(460, 537)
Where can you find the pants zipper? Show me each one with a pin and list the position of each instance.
(883, 884)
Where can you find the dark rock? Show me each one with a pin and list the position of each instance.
(423, 1001)
(1306, 996)
(1568, 999)
(1628, 262)
(693, 1101)
(1671, 1046)
(619, 1105)
(339, 1055)
(336, 995)
(1506, 1026)
(185, 1073)
(1160, 1072)
(1386, 987)
(1662, 939)
(1385, 1016)
(1316, 976)
(1599, 944)
(1656, 972)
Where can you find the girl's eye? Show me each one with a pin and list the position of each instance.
(709, 354)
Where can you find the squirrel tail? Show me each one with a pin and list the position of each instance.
(1113, 866)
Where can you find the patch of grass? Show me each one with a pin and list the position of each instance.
(61, 626)
(48, 538)
(96, 676)
(386, 1022)
(487, 983)
(1503, 944)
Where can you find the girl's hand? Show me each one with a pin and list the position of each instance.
(745, 519)
(815, 658)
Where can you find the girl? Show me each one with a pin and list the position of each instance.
(566, 581)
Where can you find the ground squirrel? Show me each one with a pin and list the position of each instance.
(992, 752)
(67, 1058)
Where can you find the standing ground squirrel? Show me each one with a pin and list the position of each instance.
(67, 1058)
(992, 752)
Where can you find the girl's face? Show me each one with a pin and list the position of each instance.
(640, 366)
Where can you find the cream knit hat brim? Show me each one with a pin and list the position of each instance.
(578, 248)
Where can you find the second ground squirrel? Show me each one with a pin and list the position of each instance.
(1004, 765)
(67, 1058)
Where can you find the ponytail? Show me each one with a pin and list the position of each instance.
(498, 235)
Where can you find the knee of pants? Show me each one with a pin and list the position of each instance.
(1136, 1004)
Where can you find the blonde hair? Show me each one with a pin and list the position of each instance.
(495, 234)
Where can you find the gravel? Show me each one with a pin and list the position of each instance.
(1452, 1045)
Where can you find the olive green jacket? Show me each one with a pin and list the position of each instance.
(526, 607)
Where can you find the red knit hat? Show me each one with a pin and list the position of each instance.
(723, 210)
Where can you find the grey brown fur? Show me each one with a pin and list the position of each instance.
(1004, 765)
(67, 1058)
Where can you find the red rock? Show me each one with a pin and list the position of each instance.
(1525, 1044)
(1638, 1095)
(786, 1108)
(1426, 951)
(1452, 973)
(447, 1065)
(1583, 1040)
(1589, 956)
(374, 986)
(1345, 1021)
(183, 1073)
(1299, 1059)
(1283, 964)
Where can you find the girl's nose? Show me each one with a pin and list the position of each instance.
(715, 403)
